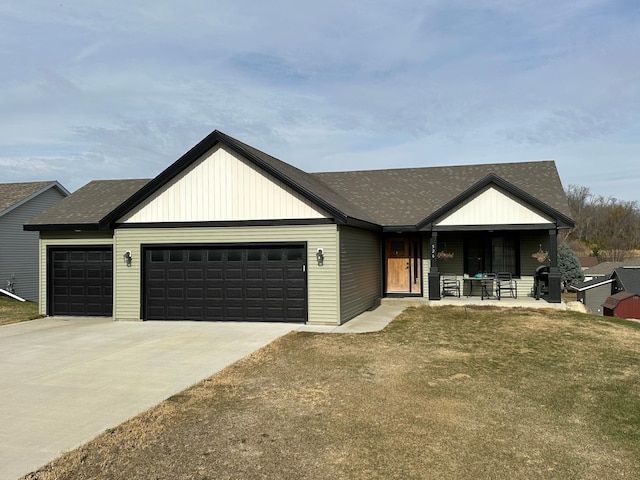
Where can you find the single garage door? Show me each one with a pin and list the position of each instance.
(81, 281)
(232, 283)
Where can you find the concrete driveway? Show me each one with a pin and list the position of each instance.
(65, 380)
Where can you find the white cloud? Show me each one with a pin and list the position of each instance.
(329, 85)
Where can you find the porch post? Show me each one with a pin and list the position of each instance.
(434, 275)
(555, 278)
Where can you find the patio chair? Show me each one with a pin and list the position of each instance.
(450, 285)
(506, 283)
(488, 290)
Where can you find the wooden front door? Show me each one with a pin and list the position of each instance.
(403, 272)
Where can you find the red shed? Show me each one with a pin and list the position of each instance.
(622, 305)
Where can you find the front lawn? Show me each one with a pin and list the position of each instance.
(441, 393)
(13, 311)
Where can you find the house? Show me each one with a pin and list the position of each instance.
(587, 262)
(595, 292)
(604, 269)
(19, 202)
(228, 232)
(622, 305)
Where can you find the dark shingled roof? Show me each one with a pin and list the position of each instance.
(629, 278)
(88, 205)
(594, 282)
(406, 196)
(12, 193)
(606, 268)
(614, 300)
(377, 198)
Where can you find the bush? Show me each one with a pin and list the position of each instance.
(569, 266)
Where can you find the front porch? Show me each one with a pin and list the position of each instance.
(505, 302)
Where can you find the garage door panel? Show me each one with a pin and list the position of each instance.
(195, 293)
(80, 281)
(195, 313)
(155, 273)
(77, 273)
(176, 313)
(156, 293)
(214, 274)
(226, 283)
(175, 293)
(175, 273)
(60, 273)
(214, 292)
(274, 274)
(195, 274)
(233, 273)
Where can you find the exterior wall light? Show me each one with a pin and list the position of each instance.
(128, 257)
(320, 256)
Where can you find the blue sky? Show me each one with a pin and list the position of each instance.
(121, 89)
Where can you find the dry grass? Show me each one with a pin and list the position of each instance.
(14, 311)
(442, 393)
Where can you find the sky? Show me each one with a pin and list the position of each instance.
(121, 89)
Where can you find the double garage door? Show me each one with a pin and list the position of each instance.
(230, 283)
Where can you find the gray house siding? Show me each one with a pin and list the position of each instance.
(593, 298)
(19, 248)
(360, 272)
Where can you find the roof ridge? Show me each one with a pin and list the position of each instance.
(458, 166)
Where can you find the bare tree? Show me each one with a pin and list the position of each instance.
(609, 227)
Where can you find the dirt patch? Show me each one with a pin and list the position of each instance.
(14, 311)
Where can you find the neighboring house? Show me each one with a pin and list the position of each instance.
(228, 232)
(627, 279)
(19, 203)
(604, 269)
(595, 292)
(587, 262)
(622, 305)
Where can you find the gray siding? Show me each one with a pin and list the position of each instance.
(593, 298)
(19, 249)
(360, 271)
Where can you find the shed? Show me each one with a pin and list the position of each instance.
(622, 305)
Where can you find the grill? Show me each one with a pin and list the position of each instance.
(541, 281)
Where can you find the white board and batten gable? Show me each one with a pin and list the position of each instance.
(493, 206)
(222, 186)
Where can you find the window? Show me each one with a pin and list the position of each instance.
(195, 255)
(176, 255)
(492, 252)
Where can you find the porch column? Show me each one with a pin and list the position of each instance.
(434, 275)
(555, 278)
